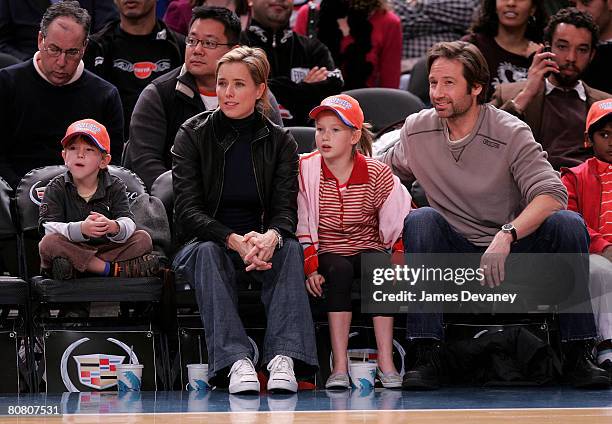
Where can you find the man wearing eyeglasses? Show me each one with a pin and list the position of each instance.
(132, 51)
(42, 96)
(186, 91)
(20, 23)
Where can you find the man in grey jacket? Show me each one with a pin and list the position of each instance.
(182, 93)
(492, 193)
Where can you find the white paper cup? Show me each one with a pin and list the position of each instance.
(129, 377)
(362, 375)
(198, 377)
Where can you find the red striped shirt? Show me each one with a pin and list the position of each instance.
(605, 219)
(348, 213)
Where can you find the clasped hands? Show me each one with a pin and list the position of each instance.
(255, 249)
(97, 225)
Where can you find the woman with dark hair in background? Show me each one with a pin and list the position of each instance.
(363, 36)
(508, 33)
(178, 14)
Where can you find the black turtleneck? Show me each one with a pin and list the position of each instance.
(240, 207)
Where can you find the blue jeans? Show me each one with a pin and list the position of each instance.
(427, 231)
(290, 330)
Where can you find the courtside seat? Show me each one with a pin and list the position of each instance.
(13, 290)
(385, 107)
(305, 138)
(162, 189)
(29, 195)
(14, 296)
(123, 311)
(419, 81)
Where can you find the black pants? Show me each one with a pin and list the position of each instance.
(339, 272)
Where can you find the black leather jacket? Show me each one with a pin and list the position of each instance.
(198, 160)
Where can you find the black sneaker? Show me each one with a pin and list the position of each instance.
(143, 266)
(607, 366)
(427, 369)
(580, 369)
(62, 269)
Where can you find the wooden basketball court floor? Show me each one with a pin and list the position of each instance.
(450, 405)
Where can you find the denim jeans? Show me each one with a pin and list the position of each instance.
(600, 282)
(426, 231)
(290, 329)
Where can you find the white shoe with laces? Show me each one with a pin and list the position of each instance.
(282, 376)
(243, 377)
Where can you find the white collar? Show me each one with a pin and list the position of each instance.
(76, 76)
(579, 87)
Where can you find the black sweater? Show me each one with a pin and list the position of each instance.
(240, 207)
(34, 115)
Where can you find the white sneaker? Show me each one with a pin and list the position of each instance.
(282, 376)
(243, 377)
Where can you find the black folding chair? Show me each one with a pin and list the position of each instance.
(305, 138)
(419, 81)
(50, 294)
(383, 107)
(14, 295)
(29, 195)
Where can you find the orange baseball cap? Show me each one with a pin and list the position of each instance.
(93, 129)
(598, 110)
(346, 107)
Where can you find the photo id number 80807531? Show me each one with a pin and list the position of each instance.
(33, 410)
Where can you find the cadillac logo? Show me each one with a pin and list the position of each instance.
(98, 370)
(95, 370)
(37, 193)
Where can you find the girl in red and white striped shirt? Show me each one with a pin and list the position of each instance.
(348, 204)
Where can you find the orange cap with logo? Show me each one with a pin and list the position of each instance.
(346, 107)
(92, 129)
(597, 111)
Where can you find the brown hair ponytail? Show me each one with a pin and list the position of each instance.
(364, 145)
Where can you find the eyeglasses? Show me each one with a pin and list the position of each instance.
(207, 44)
(55, 51)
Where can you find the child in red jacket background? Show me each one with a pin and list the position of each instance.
(589, 186)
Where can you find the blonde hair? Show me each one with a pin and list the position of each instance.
(364, 145)
(257, 63)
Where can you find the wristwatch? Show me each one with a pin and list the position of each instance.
(279, 238)
(509, 229)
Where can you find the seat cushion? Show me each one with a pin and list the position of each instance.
(13, 291)
(97, 289)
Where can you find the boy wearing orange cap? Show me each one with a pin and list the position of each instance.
(85, 215)
(589, 186)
